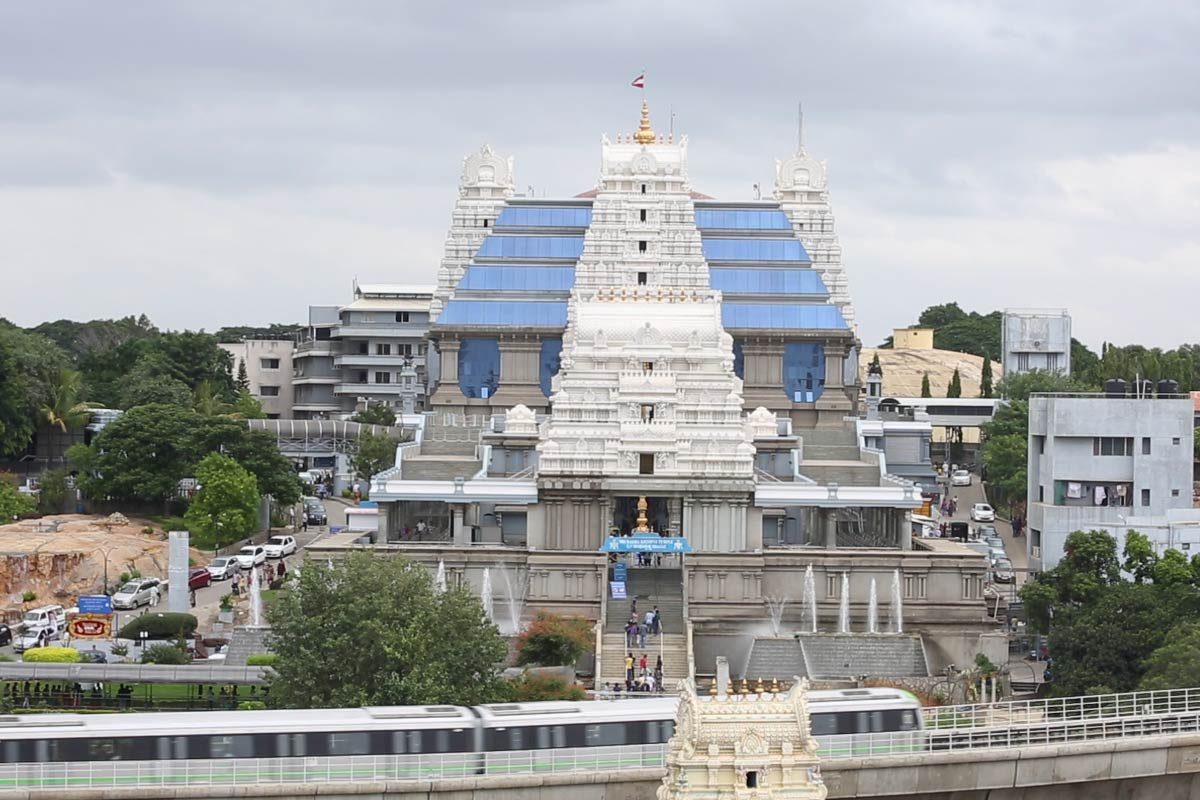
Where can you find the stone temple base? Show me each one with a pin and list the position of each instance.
(830, 656)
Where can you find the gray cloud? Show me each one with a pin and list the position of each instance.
(212, 164)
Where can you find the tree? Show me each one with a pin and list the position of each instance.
(552, 640)
(206, 403)
(226, 507)
(1140, 558)
(52, 496)
(1172, 569)
(985, 377)
(376, 414)
(1005, 464)
(926, 391)
(1089, 566)
(530, 688)
(163, 653)
(144, 389)
(940, 316)
(16, 425)
(373, 631)
(375, 454)
(955, 387)
(243, 380)
(13, 504)
(255, 450)
(247, 406)
(193, 358)
(1176, 662)
(140, 457)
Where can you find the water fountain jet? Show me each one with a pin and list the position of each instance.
(873, 610)
(439, 580)
(776, 607)
(810, 597)
(897, 612)
(844, 605)
(485, 594)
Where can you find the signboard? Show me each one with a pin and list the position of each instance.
(620, 572)
(89, 626)
(646, 544)
(617, 588)
(95, 604)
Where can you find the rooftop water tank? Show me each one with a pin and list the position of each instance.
(1115, 387)
(1168, 387)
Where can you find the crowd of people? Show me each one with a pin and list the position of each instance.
(638, 629)
(267, 574)
(639, 677)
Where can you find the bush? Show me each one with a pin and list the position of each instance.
(531, 688)
(165, 625)
(29, 597)
(164, 654)
(53, 655)
(261, 660)
(120, 649)
(252, 705)
(552, 640)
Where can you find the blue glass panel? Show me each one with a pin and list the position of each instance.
(753, 250)
(752, 219)
(518, 279)
(796, 316)
(479, 367)
(548, 363)
(739, 359)
(746, 280)
(803, 371)
(534, 313)
(565, 247)
(544, 217)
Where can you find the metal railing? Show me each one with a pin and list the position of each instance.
(1129, 704)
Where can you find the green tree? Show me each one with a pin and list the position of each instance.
(206, 403)
(144, 389)
(242, 384)
(376, 414)
(1005, 465)
(373, 631)
(552, 640)
(955, 387)
(1140, 558)
(140, 457)
(1088, 568)
(226, 507)
(1172, 569)
(247, 406)
(926, 390)
(375, 454)
(985, 377)
(255, 450)
(530, 688)
(1175, 664)
(13, 504)
(940, 316)
(194, 358)
(52, 497)
(16, 424)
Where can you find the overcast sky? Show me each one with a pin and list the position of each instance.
(218, 163)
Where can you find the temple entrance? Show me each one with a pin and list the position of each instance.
(625, 515)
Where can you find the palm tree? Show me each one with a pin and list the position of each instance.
(207, 403)
(62, 408)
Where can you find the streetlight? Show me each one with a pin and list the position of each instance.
(142, 636)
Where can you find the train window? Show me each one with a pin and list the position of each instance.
(47, 750)
(348, 744)
(12, 753)
(171, 747)
(668, 729)
(592, 736)
(443, 741)
(515, 739)
(102, 750)
(543, 738)
(605, 735)
(560, 736)
(240, 746)
(908, 721)
(289, 745)
(414, 741)
(824, 724)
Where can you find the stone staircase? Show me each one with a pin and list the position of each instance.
(673, 648)
(245, 642)
(848, 655)
(447, 450)
(775, 659)
(650, 587)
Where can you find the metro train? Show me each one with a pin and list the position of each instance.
(422, 741)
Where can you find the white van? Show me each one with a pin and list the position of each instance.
(45, 617)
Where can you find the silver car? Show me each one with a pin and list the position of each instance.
(137, 592)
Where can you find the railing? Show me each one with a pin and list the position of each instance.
(1058, 709)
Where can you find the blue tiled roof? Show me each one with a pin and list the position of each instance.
(536, 313)
(518, 279)
(545, 217)
(561, 247)
(780, 315)
(752, 219)
(748, 280)
(753, 250)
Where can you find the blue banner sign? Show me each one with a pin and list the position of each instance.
(618, 589)
(620, 572)
(646, 544)
(95, 604)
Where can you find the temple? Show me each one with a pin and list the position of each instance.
(644, 359)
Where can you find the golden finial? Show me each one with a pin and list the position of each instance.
(645, 134)
(745, 686)
(774, 686)
(712, 688)
(758, 687)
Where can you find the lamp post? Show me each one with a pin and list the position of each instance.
(142, 636)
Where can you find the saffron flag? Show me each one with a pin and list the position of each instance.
(639, 82)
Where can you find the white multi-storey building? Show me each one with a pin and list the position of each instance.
(1036, 339)
(268, 364)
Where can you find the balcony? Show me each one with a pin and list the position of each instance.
(309, 380)
(367, 389)
(372, 360)
(378, 330)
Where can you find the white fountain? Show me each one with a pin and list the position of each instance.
(439, 580)
(810, 597)
(897, 621)
(485, 595)
(776, 607)
(255, 600)
(873, 610)
(844, 605)
(514, 594)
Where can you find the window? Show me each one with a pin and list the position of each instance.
(1174, 493)
(485, 223)
(803, 371)
(647, 412)
(349, 744)
(383, 377)
(739, 359)
(401, 316)
(404, 349)
(1052, 362)
(324, 334)
(1041, 494)
(641, 245)
(548, 363)
(642, 215)
(647, 366)
(751, 779)
(646, 464)
(1145, 445)
(641, 279)
(1145, 497)
(383, 349)
(1022, 362)
(268, 363)
(1175, 440)
(1112, 446)
(643, 188)
(1039, 443)
(479, 367)
(269, 391)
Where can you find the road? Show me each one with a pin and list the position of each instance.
(1014, 547)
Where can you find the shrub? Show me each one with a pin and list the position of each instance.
(165, 625)
(531, 688)
(552, 640)
(261, 660)
(53, 655)
(252, 705)
(164, 654)
(29, 597)
(120, 649)
(227, 602)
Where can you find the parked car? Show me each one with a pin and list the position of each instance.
(982, 512)
(1002, 571)
(984, 531)
(994, 541)
(251, 556)
(138, 592)
(199, 577)
(36, 637)
(51, 616)
(316, 511)
(6, 635)
(222, 567)
(280, 546)
(960, 477)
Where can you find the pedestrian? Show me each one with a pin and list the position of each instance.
(192, 597)
(642, 664)
(641, 635)
(628, 668)
(657, 621)
(357, 492)
(649, 621)
(304, 521)
(153, 596)
(282, 570)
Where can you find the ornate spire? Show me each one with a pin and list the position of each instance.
(645, 134)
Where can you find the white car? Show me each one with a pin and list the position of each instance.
(223, 567)
(280, 546)
(982, 512)
(960, 477)
(35, 637)
(251, 556)
(138, 592)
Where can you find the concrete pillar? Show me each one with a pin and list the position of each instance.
(904, 529)
(829, 518)
(458, 526)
